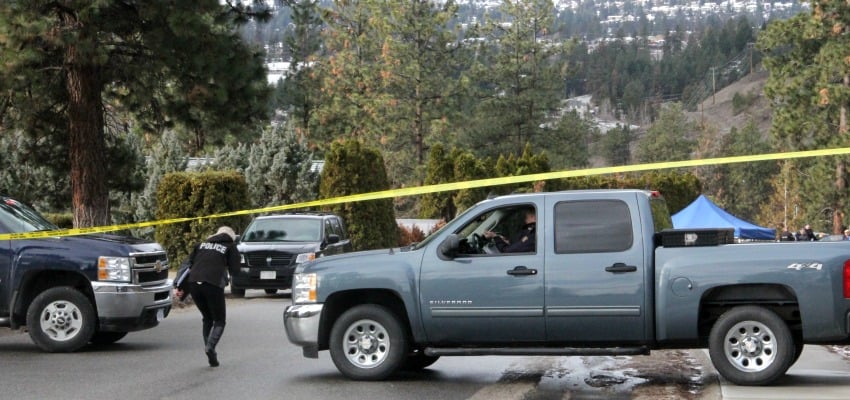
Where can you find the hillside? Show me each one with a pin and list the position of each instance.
(718, 111)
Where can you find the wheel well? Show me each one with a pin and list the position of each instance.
(35, 283)
(777, 298)
(340, 302)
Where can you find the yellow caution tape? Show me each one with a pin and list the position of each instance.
(443, 187)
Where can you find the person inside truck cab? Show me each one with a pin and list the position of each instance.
(523, 241)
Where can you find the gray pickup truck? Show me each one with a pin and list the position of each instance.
(598, 282)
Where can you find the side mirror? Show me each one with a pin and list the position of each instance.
(448, 248)
(333, 238)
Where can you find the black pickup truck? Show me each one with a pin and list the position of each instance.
(74, 290)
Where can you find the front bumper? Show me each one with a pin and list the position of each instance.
(127, 307)
(302, 327)
(263, 278)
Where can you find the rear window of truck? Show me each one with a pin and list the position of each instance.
(594, 226)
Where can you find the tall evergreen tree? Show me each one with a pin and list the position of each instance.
(300, 90)
(809, 89)
(418, 68)
(668, 139)
(746, 185)
(615, 145)
(352, 102)
(389, 78)
(66, 63)
(522, 74)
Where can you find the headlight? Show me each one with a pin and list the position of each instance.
(304, 288)
(304, 257)
(115, 269)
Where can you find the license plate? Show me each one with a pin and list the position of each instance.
(268, 274)
(160, 315)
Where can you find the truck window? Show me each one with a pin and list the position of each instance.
(596, 226)
(329, 229)
(660, 214)
(338, 228)
(16, 217)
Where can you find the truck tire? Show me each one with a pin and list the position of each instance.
(751, 346)
(368, 343)
(61, 320)
(107, 337)
(271, 291)
(237, 292)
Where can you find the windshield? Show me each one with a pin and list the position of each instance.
(284, 230)
(16, 217)
(431, 237)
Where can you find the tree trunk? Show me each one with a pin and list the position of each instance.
(89, 193)
(841, 173)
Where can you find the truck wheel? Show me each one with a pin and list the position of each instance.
(237, 292)
(751, 346)
(271, 291)
(368, 343)
(798, 350)
(107, 337)
(418, 362)
(61, 319)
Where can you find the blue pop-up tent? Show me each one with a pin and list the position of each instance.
(703, 213)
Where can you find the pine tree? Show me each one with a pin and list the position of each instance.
(809, 90)
(389, 78)
(668, 139)
(746, 185)
(522, 79)
(299, 91)
(67, 62)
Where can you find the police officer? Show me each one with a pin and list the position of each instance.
(211, 260)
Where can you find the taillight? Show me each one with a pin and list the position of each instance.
(847, 279)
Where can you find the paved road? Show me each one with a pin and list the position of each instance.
(258, 363)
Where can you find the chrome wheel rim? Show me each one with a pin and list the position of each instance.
(366, 343)
(61, 320)
(750, 346)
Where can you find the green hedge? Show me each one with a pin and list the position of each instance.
(198, 194)
(351, 168)
(62, 220)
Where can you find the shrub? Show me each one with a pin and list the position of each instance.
(198, 194)
(350, 169)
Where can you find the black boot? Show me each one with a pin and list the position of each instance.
(207, 328)
(212, 341)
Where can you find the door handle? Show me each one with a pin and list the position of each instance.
(522, 271)
(621, 267)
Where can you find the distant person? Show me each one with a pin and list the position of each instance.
(786, 235)
(810, 233)
(847, 234)
(212, 260)
(522, 241)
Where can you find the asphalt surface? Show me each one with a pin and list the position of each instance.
(167, 362)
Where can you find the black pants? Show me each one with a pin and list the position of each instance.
(210, 302)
